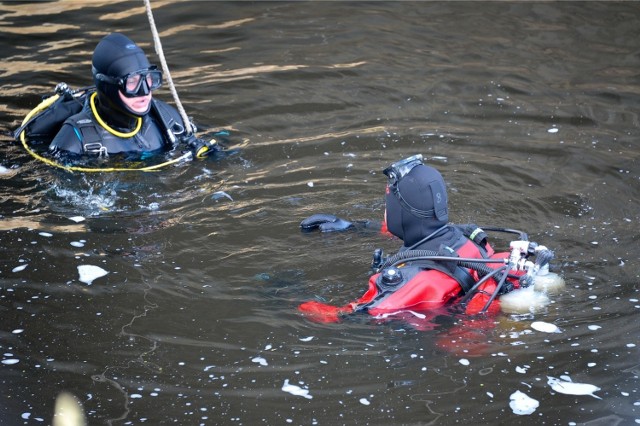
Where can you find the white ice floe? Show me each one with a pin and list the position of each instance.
(88, 273)
(545, 327)
(568, 387)
(260, 360)
(295, 390)
(20, 268)
(522, 404)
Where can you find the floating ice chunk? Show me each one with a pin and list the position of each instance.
(220, 194)
(18, 331)
(594, 327)
(545, 327)
(364, 401)
(570, 388)
(553, 130)
(20, 268)
(10, 361)
(522, 404)
(295, 390)
(88, 273)
(45, 234)
(310, 184)
(306, 339)
(259, 360)
(464, 361)
(77, 219)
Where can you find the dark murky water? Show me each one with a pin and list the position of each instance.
(530, 111)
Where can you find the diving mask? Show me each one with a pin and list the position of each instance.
(137, 83)
(401, 168)
(397, 171)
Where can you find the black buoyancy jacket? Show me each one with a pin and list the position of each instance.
(82, 134)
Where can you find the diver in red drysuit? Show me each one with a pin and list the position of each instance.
(425, 275)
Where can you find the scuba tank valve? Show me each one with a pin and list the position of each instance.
(378, 260)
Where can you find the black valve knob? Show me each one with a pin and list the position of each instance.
(391, 276)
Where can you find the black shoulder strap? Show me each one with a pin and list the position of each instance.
(460, 274)
(168, 122)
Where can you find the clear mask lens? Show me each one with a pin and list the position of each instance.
(401, 168)
(134, 84)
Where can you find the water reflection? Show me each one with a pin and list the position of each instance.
(528, 111)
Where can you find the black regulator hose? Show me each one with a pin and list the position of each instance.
(503, 279)
(473, 289)
(409, 255)
(523, 235)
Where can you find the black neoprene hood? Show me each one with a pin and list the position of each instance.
(116, 56)
(423, 189)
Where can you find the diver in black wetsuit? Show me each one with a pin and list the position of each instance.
(121, 116)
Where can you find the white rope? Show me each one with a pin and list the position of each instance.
(165, 68)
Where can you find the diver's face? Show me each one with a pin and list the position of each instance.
(139, 104)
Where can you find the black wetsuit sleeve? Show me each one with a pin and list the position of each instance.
(67, 139)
